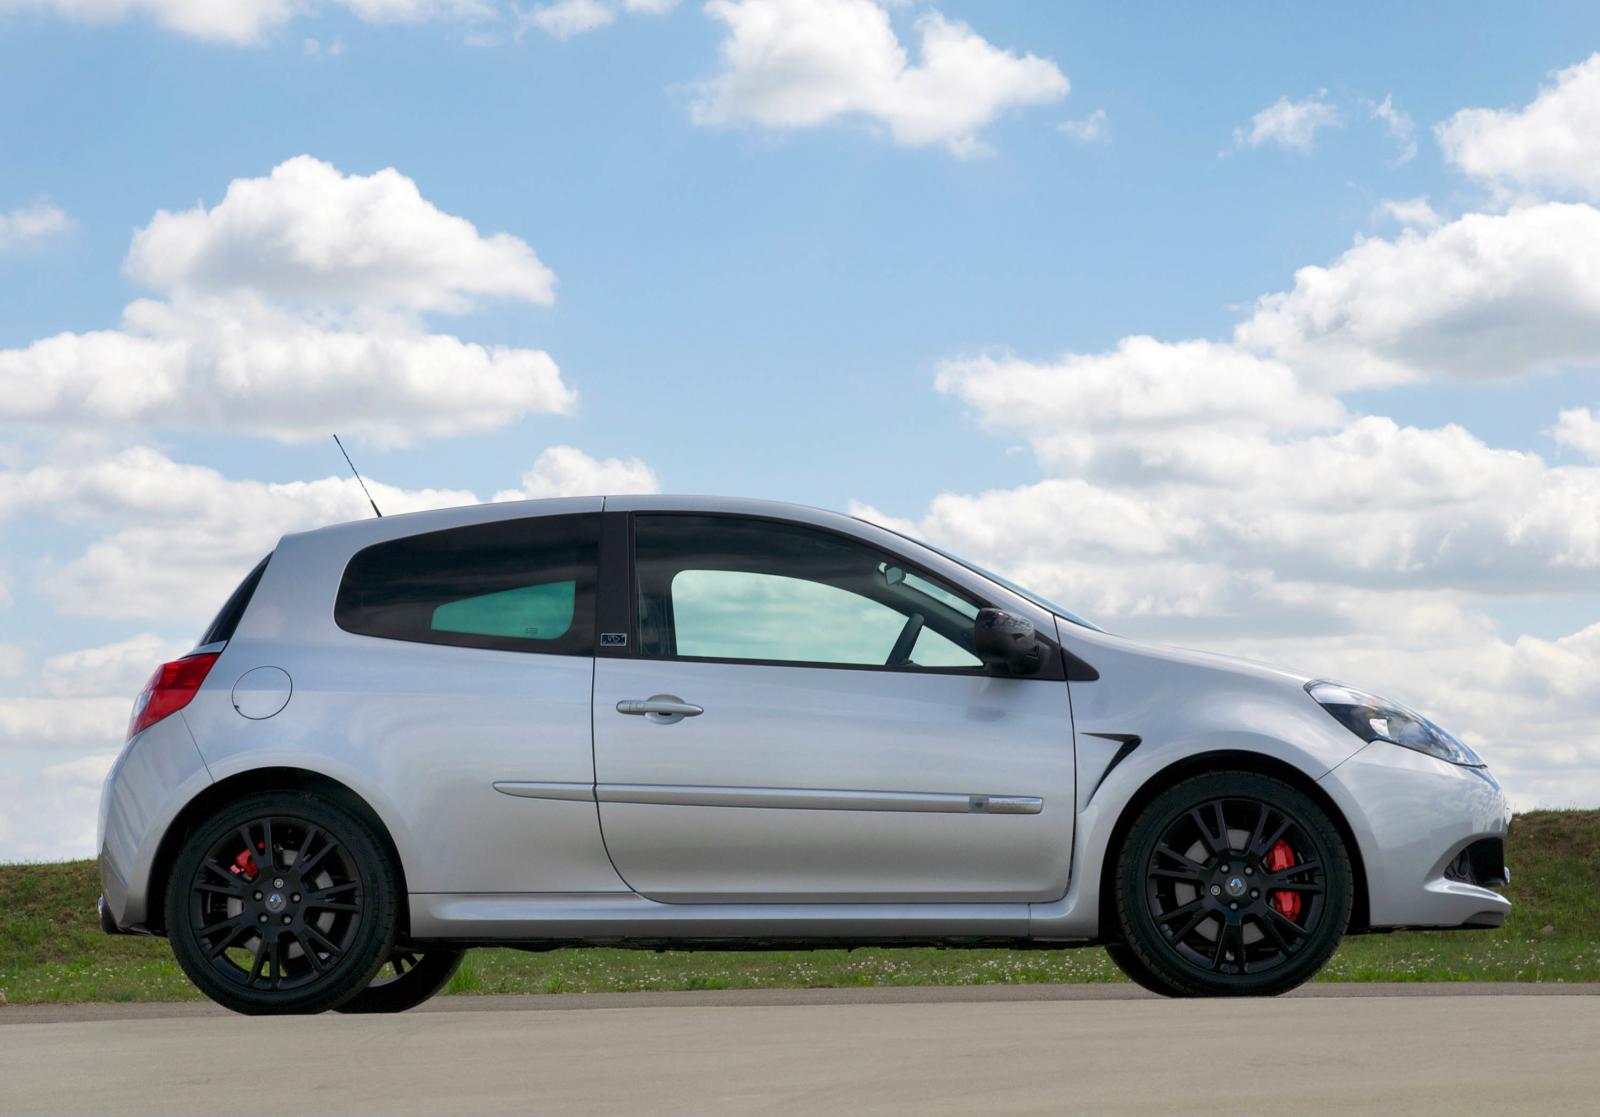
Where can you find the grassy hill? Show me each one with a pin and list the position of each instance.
(51, 947)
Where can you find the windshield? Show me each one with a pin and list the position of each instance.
(1043, 602)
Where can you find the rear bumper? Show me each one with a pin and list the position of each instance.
(158, 772)
(1427, 832)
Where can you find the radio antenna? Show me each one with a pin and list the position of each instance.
(357, 472)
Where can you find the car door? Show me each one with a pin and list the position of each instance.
(798, 715)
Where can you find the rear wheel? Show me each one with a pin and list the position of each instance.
(408, 978)
(1230, 884)
(282, 902)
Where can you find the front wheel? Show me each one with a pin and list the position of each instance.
(282, 902)
(1230, 884)
(408, 978)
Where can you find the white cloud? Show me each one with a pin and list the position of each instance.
(1549, 146)
(806, 63)
(32, 222)
(1289, 124)
(1107, 412)
(12, 660)
(306, 233)
(650, 7)
(174, 539)
(245, 22)
(567, 18)
(1091, 129)
(234, 21)
(31, 723)
(568, 471)
(1409, 211)
(119, 668)
(1400, 127)
(56, 820)
(1484, 297)
(293, 307)
(1579, 428)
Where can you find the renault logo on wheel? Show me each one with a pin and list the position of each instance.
(275, 901)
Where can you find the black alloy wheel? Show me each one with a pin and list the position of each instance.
(1231, 883)
(282, 903)
(410, 976)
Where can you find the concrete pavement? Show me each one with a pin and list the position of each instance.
(1435, 1050)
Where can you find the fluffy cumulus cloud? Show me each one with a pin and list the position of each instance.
(293, 307)
(804, 63)
(32, 222)
(1579, 428)
(1551, 145)
(56, 820)
(1487, 296)
(568, 471)
(1224, 494)
(172, 539)
(1289, 124)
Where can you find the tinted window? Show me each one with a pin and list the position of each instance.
(719, 587)
(515, 585)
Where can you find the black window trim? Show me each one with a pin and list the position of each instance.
(1054, 670)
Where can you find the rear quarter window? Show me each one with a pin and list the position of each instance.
(513, 585)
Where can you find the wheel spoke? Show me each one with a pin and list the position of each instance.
(328, 846)
(305, 948)
(226, 941)
(1270, 930)
(1179, 912)
(1216, 841)
(260, 958)
(1260, 828)
(220, 890)
(1190, 868)
(231, 921)
(332, 906)
(305, 848)
(1225, 939)
(318, 939)
(1283, 921)
(271, 862)
(1266, 844)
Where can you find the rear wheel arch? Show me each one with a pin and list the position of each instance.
(240, 784)
(1232, 761)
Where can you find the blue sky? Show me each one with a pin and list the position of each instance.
(755, 308)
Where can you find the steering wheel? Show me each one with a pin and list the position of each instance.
(900, 654)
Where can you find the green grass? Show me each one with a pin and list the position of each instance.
(51, 947)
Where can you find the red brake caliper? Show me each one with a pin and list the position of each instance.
(245, 865)
(1279, 858)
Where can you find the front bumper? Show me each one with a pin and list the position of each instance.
(1425, 830)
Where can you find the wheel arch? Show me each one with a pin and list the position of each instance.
(1236, 760)
(250, 781)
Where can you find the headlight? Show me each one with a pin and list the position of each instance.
(1375, 719)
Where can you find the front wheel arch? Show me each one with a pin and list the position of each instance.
(240, 784)
(1233, 761)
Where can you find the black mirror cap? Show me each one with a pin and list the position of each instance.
(1007, 642)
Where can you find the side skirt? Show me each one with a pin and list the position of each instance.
(629, 919)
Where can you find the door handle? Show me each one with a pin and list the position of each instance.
(663, 709)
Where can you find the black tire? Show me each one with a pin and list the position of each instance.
(408, 978)
(1196, 906)
(282, 902)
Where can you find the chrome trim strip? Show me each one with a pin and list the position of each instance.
(528, 789)
(809, 799)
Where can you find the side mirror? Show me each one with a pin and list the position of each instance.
(1008, 642)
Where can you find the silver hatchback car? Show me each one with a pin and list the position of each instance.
(703, 723)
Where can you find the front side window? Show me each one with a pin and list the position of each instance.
(512, 585)
(723, 587)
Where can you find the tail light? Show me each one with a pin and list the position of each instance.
(169, 690)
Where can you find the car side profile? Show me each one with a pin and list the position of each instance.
(698, 723)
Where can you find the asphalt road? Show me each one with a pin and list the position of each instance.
(916, 1052)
